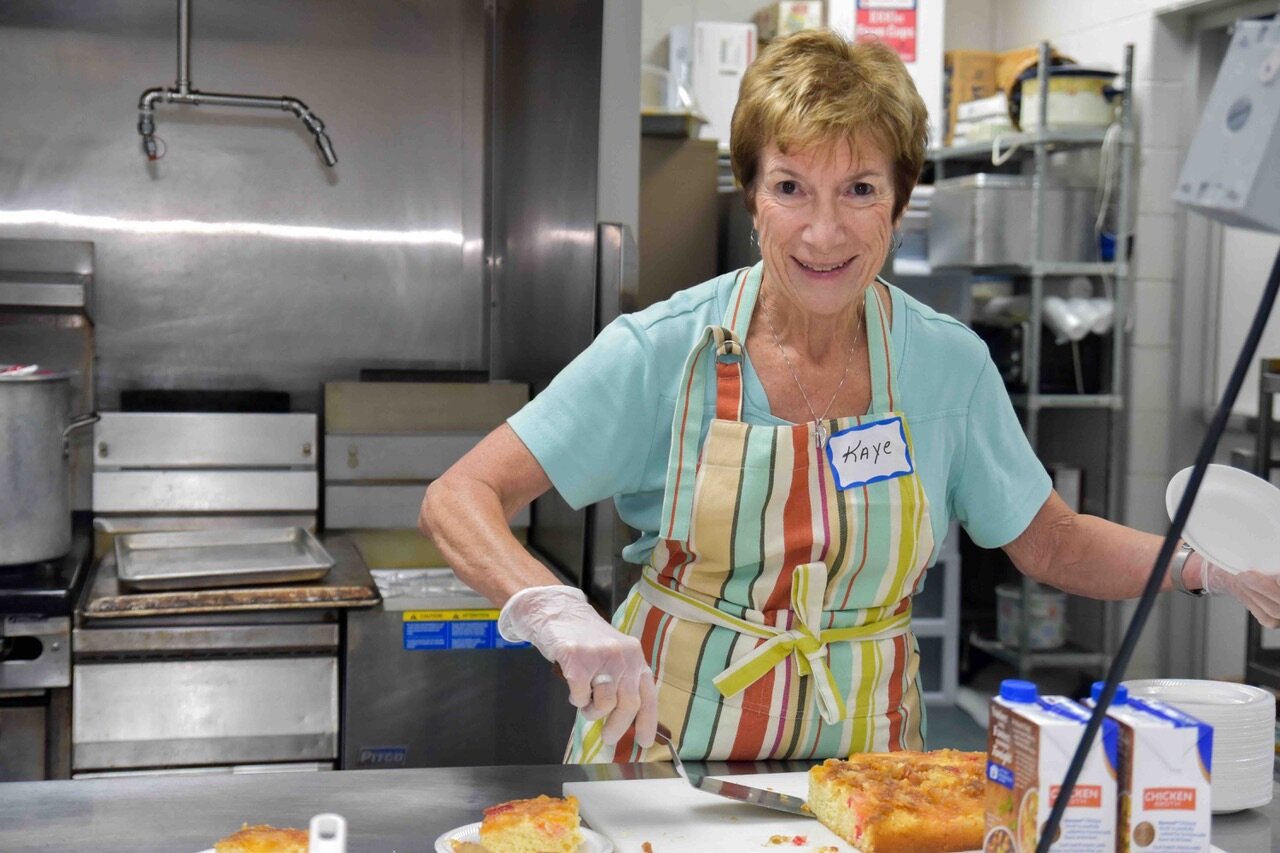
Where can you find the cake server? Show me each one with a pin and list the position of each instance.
(732, 790)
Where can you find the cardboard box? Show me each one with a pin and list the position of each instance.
(967, 76)
(783, 19)
(1165, 767)
(709, 59)
(1029, 748)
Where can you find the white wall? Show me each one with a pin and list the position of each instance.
(970, 25)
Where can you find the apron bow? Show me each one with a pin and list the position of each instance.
(806, 641)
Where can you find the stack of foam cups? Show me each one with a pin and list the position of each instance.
(1244, 734)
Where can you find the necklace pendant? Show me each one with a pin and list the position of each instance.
(820, 434)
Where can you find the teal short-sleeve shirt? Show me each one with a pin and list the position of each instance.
(602, 428)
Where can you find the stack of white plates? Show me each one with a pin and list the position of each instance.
(1244, 733)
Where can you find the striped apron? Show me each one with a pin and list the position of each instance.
(775, 609)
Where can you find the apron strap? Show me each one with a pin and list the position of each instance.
(742, 300)
(806, 642)
(720, 344)
(878, 339)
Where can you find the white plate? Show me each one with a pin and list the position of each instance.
(1235, 521)
(1224, 699)
(592, 842)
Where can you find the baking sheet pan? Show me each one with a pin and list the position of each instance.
(200, 559)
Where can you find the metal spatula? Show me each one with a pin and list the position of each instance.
(732, 790)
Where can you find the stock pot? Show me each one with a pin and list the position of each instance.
(35, 500)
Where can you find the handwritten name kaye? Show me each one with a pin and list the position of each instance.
(858, 452)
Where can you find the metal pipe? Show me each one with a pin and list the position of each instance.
(182, 93)
(184, 46)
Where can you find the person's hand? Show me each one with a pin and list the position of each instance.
(1258, 591)
(606, 669)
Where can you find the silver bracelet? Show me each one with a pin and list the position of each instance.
(1176, 565)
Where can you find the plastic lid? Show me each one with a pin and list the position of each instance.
(1121, 696)
(1017, 690)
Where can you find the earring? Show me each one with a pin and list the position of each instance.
(897, 242)
(755, 238)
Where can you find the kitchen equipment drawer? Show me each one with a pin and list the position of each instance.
(174, 713)
(985, 221)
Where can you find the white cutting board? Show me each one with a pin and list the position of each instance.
(677, 818)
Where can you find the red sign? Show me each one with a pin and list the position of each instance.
(1082, 796)
(893, 22)
(1169, 798)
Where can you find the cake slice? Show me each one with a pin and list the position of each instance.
(264, 839)
(540, 825)
(902, 802)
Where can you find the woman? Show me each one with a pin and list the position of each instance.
(792, 441)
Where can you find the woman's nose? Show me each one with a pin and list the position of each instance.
(826, 227)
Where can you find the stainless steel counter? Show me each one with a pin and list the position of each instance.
(387, 810)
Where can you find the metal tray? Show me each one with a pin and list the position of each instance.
(199, 559)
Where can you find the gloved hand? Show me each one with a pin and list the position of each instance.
(606, 669)
(1258, 591)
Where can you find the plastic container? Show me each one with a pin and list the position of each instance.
(1048, 616)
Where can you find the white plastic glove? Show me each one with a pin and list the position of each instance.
(1258, 591)
(606, 669)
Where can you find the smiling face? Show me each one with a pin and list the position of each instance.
(825, 217)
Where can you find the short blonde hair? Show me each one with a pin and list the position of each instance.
(814, 87)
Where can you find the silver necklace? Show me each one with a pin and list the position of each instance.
(820, 433)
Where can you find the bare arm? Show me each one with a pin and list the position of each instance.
(1084, 554)
(466, 512)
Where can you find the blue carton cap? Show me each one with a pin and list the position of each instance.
(1017, 690)
(1121, 696)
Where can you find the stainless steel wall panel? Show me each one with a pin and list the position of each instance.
(546, 117)
(184, 440)
(174, 713)
(238, 260)
(394, 457)
(205, 491)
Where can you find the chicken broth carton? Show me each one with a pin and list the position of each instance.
(1165, 774)
(1030, 742)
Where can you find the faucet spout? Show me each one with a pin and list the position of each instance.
(315, 125)
(147, 123)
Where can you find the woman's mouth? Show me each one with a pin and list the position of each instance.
(823, 269)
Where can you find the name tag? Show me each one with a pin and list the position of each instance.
(869, 453)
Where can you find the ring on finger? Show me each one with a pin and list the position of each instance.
(602, 679)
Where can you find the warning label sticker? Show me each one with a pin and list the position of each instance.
(436, 630)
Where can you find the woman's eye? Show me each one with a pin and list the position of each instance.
(863, 189)
(788, 187)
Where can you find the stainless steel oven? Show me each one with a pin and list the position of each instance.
(221, 679)
(37, 601)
